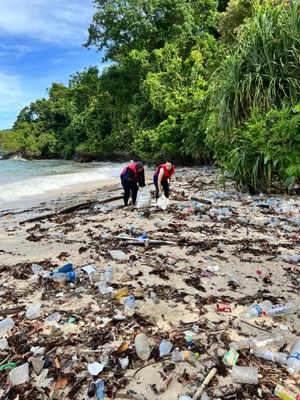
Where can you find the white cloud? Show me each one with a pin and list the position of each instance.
(14, 96)
(58, 22)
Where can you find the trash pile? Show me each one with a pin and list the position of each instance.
(196, 299)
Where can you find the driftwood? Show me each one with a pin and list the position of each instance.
(78, 207)
(136, 241)
(203, 201)
(9, 311)
(205, 384)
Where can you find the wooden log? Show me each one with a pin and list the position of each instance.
(77, 207)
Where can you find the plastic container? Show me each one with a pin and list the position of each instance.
(100, 389)
(258, 342)
(19, 375)
(55, 317)
(6, 325)
(117, 254)
(281, 309)
(293, 361)
(33, 311)
(186, 355)
(108, 273)
(129, 306)
(164, 348)
(63, 269)
(63, 277)
(280, 358)
(142, 347)
(245, 374)
(256, 310)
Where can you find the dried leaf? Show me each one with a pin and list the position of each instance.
(60, 383)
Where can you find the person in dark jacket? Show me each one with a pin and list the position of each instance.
(162, 178)
(132, 176)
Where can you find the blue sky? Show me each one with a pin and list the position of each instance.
(40, 43)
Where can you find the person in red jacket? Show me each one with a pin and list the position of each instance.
(132, 176)
(162, 178)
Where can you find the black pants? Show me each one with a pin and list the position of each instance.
(165, 186)
(129, 187)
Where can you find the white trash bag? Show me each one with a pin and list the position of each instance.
(162, 202)
(144, 198)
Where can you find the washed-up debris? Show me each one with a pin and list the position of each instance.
(158, 305)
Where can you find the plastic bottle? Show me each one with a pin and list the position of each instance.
(256, 310)
(129, 306)
(268, 340)
(245, 374)
(55, 317)
(66, 276)
(142, 347)
(108, 273)
(186, 355)
(291, 258)
(293, 361)
(281, 309)
(164, 348)
(142, 237)
(270, 355)
(100, 389)
(273, 339)
(154, 298)
(231, 276)
(6, 325)
(33, 311)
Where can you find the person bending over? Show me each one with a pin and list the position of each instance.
(162, 178)
(132, 176)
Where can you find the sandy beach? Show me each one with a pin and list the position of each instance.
(225, 248)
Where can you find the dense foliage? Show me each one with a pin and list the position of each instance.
(198, 81)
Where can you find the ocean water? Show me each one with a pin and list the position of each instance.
(22, 180)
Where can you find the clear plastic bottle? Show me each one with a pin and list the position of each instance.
(33, 311)
(108, 273)
(100, 389)
(66, 276)
(291, 258)
(273, 339)
(55, 317)
(232, 277)
(274, 356)
(154, 298)
(6, 325)
(185, 355)
(256, 310)
(129, 306)
(281, 309)
(293, 361)
(164, 348)
(142, 347)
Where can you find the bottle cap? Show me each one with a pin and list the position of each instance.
(264, 312)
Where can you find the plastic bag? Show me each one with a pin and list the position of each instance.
(144, 198)
(162, 202)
